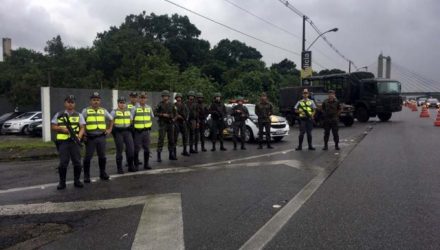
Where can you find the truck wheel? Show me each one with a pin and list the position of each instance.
(384, 117)
(278, 138)
(362, 114)
(348, 121)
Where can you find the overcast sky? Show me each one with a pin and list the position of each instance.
(406, 30)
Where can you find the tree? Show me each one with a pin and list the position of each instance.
(329, 72)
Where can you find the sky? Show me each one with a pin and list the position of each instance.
(406, 30)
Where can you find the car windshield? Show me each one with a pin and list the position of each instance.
(388, 87)
(251, 109)
(25, 115)
(319, 98)
(4, 116)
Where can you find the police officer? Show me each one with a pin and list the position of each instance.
(68, 149)
(240, 114)
(96, 132)
(218, 113)
(203, 113)
(181, 122)
(122, 135)
(166, 112)
(133, 103)
(306, 110)
(264, 109)
(331, 109)
(193, 122)
(142, 123)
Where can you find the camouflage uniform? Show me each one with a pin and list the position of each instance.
(181, 125)
(166, 112)
(218, 113)
(240, 114)
(203, 114)
(193, 121)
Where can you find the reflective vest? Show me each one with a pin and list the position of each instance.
(142, 118)
(306, 106)
(95, 120)
(130, 106)
(74, 121)
(122, 118)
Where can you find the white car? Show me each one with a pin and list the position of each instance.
(20, 124)
(279, 127)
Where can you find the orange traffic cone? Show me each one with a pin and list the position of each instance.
(414, 107)
(437, 121)
(425, 112)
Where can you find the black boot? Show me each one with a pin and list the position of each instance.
(213, 147)
(147, 160)
(242, 146)
(185, 152)
(136, 160)
(309, 141)
(268, 144)
(172, 156)
(260, 144)
(222, 148)
(159, 158)
(131, 167)
(300, 143)
(62, 173)
(86, 166)
(102, 174)
(119, 166)
(235, 145)
(325, 146)
(196, 148)
(337, 146)
(203, 146)
(76, 175)
(191, 150)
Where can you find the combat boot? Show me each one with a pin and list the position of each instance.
(309, 141)
(185, 152)
(76, 177)
(131, 167)
(325, 145)
(242, 146)
(337, 146)
(159, 158)
(268, 144)
(147, 160)
(172, 157)
(203, 147)
(62, 173)
(222, 148)
(86, 166)
(213, 147)
(119, 166)
(136, 159)
(102, 174)
(260, 145)
(196, 148)
(191, 149)
(235, 145)
(300, 143)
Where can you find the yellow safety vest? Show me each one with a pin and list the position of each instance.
(122, 119)
(130, 106)
(142, 118)
(307, 106)
(95, 120)
(74, 121)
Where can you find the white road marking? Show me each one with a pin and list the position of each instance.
(160, 224)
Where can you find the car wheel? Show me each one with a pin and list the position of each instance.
(362, 114)
(248, 135)
(278, 138)
(25, 130)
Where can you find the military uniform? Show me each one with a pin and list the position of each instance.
(96, 131)
(264, 110)
(181, 123)
(122, 134)
(165, 111)
(193, 120)
(142, 123)
(240, 114)
(330, 112)
(306, 109)
(218, 113)
(203, 114)
(68, 149)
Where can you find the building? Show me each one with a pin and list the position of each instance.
(7, 47)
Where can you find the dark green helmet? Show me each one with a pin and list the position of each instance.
(217, 94)
(191, 93)
(178, 95)
(165, 93)
(199, 95)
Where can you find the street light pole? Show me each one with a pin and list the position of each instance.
(303, 47)
(332, 30)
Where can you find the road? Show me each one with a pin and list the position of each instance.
(380, 191)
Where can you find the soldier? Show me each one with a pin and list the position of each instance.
(203, 113)
(331, 109)
(193, 122)
(264, 109)
(240, 114)
(122, 134)
(142, 122)
(218, 113)
(166, 112)
(180, 122)
(96, 132)
(306, 110)
(68, 147)
(133, 103)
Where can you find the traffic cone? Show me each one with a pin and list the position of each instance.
(414, 107)
(425, 112)
(437, 121)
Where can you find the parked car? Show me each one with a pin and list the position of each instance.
(36, 128)
(432, 103)
(421, 101)
(278, 130)
(20, 124)
(8, 116)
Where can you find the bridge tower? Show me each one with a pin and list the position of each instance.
(387, 66)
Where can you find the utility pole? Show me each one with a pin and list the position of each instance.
(303, 48)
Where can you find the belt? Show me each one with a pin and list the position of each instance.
(142, 130)
(95, 136)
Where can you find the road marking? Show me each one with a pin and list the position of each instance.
(160, 224)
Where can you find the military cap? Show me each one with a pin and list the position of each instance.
(95, 95)
(70, 98)
(165, 93)
(143, 94)
(331, 91)
(199, 94)
(178, 95)
(121, 99)
(133, 94)
(191, 93)
(217, 94)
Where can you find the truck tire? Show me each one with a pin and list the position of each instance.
(348, 121)
(362, 114)
(384, 117)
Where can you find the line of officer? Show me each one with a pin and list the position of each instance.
(240, 114)
(193, 122)
(67, 148)
(331, 109)
(122, 135)
(306, 110)
(165, 111)
(142, 123)
(203, 114)
(181, 123)
(96, 119)
(264, 109)
(218, 113)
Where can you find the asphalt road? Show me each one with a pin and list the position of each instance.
(380, 191)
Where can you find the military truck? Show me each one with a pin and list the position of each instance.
(291, 95)
(369, 96)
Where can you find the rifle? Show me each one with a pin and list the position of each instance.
(72, 133)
